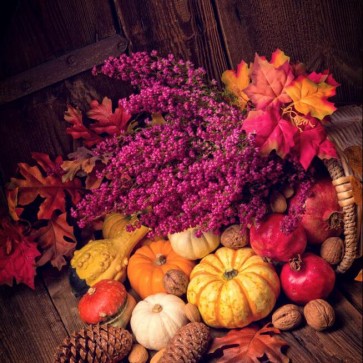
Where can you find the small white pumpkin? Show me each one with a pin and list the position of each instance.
(156, 319)
(191, 247)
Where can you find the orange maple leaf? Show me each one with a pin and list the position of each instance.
(248, 344)
(56, 240)
(278, 58)
(310, 97)
(50, 187)
(236, 82)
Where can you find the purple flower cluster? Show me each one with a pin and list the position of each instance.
(198, 168)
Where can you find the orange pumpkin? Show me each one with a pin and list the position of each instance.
(148, 265)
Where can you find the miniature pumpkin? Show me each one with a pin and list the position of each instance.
(188, 245)
(233, 288)
(106, 301)
(149, 264)
(156, 319)
(107, 258)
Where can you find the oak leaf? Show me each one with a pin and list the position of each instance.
(17, 255)
(106, 121)
(78, 130)
(249, 344)
(272, 131)
(236, 82)
(56, 240)
(269, 83)
(49, 187)
(311, 98)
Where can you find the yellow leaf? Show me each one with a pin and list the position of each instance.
(278, 58)
(311, 97)
(236, 82)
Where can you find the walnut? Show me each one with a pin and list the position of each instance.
(235, 237)
(175, 282)
(332, 250)
(319, 314)
(287, 317)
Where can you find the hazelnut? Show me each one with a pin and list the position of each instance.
(332, 250)
(288, 191)
(138, 354)
(192, 313)
(234, 237)
(156, 358)
(278, 202)
(319, 314)
(287, 317)
(175, 282)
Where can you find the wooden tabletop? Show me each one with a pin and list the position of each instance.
(34, 323)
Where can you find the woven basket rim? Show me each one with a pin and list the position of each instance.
(350, 213)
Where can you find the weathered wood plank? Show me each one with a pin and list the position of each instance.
(30, 326)
(322, 34)
(61, 68)
(65, 302)
(186, 28)
(43, 30)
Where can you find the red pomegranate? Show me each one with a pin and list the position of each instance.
(323, 216)
(267, 240)
(308, 278)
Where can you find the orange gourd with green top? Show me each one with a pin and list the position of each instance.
(148, 265)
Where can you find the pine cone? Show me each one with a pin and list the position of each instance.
(95, 343)
(188, 345)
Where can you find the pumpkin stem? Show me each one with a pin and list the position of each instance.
(157, 308)
(230, 273)
(295, 263)
(160, 259)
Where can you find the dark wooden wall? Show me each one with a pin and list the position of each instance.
(47, 48)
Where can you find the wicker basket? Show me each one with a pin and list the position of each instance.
(346, 131)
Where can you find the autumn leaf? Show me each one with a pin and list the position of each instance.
(311, 98)
(236, 82)
(12, 202)
(314, 142)
(78, 130)
(278, 58)
(17, 255)
(56, 240)
(106, 121)
(269, 83)
(50, 187)
(248, 344)
(272, 131)
(354, 155)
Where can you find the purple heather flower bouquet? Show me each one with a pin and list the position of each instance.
(186, 160)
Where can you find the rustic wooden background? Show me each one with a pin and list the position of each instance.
(47, 48)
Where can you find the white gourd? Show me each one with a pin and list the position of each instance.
(188, 245)
(156, 319)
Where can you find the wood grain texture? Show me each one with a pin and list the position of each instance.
(322, 34)
(186, 28)
(43, 30)
(30, 326)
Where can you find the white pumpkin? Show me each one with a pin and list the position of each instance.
(156, 319)
(188, 245)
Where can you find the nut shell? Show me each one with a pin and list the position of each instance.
(278, 203)
(319, 314)
(138, 354)
(234, 237)
(156, 358)
(287, 317)
(332, 250)
(176, 282)
(192, 313)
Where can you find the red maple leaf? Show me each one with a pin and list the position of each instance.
(272, 131)
(56, 240)
(78, 130)
(268, 83)
(50, 187)
(106, 121)
(248, 344)
(17, 255)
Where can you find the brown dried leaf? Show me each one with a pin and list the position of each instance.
(354, 156)
(248, 344)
